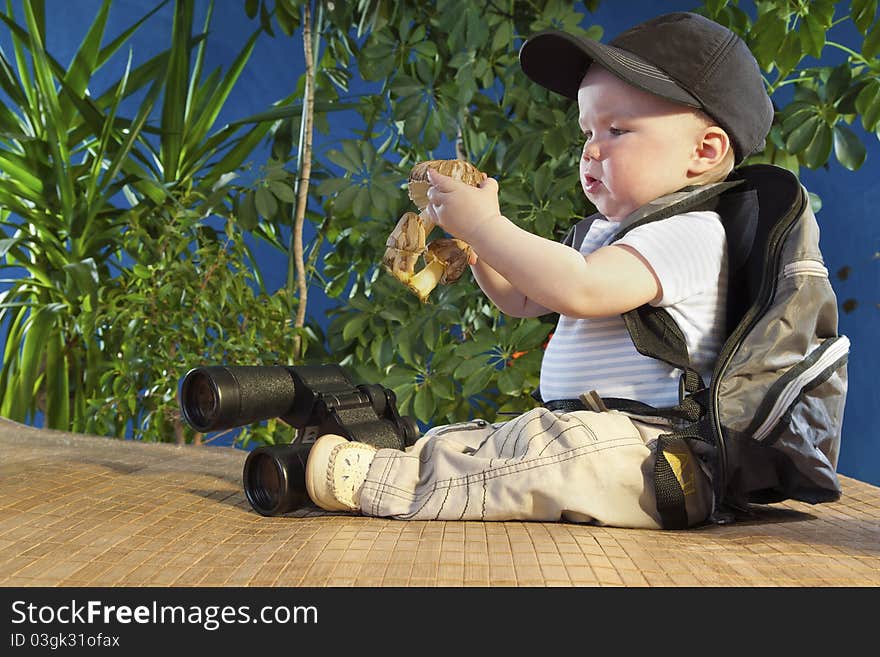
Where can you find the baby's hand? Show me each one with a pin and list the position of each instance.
(459, 208)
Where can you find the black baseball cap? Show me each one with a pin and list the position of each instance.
(682, 56)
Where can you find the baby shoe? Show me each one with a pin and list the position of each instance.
(336, 470)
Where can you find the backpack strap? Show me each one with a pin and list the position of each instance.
(656, 334)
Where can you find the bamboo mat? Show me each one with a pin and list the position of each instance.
(80, 510)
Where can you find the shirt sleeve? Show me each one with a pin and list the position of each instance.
(686, 253)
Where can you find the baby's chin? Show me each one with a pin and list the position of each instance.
(608, 208)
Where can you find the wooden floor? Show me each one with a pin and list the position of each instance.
(86, 511)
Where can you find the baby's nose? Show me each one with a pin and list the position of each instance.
(591, 151)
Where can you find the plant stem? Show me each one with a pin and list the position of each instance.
(852, 53)
(305, 170)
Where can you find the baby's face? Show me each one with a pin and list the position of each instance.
(637, 146)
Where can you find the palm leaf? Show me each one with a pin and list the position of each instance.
(57, 383)
(55, 133)
(19, 38)
(216, 101)
(110, 49)
(86, 58)
(174, 108)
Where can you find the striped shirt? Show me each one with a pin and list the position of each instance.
(688, 253)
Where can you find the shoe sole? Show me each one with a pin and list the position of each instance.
(317, 466)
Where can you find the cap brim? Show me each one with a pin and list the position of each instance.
(559, 61)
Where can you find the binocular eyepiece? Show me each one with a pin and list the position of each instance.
(315, 399)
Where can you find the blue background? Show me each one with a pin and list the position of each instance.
(850, 230)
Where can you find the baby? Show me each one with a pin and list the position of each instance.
(674, 102)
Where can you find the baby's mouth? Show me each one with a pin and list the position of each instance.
(591, 183)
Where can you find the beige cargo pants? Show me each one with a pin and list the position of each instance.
(579, 466)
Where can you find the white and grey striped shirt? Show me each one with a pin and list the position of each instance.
(688, 253)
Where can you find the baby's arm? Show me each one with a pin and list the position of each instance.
(527, 272)
(610, 281)
(505, 296)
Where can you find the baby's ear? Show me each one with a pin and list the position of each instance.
(712, 149)
(714, 145)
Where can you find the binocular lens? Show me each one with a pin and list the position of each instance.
(265, 482)
(275, 478)
(219, 397)
(201, 400)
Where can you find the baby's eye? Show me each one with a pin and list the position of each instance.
(588, 134)
(617, 131)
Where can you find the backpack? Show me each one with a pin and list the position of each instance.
(768, 425)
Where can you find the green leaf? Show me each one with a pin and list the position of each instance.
(354, 327)
(806, 94)
(267, 206)
(510, 381)
(248, 218)
(361, 204)
(6, 244)
(862, 12)
(868, 104)
(392, 314)
(847, 103)
(381, 351)
(404, 341)
(468, 367)
(542, 181)
(331, 186)
(871, 46)
(49, 99)
(82, 277)
(478, 345)
(287, 19)
(398, 377)
(803, 135)
(141, 271)
(819, 150)
(823, 11)
(789, 53)
(37, 333)
(768, 32)
(838, 83)
(848, 148)
(175, 105)
(424, 403)
(430, 333)
(443, 388)
(477, 382)
(199, 124)
(812, 37)
(348, 161)
(345, 199)
(57, 385)
(282, 191)
(86, 59)
(530, 333)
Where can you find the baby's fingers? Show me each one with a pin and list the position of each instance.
(440, 182)
(489, 183)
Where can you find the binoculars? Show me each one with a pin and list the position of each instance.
(314, 399)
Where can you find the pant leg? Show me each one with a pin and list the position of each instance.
(580, 466)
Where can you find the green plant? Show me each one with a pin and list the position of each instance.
(197, 302)
(62, 156)
(826, 99)
(76, 177)
(448, 84)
